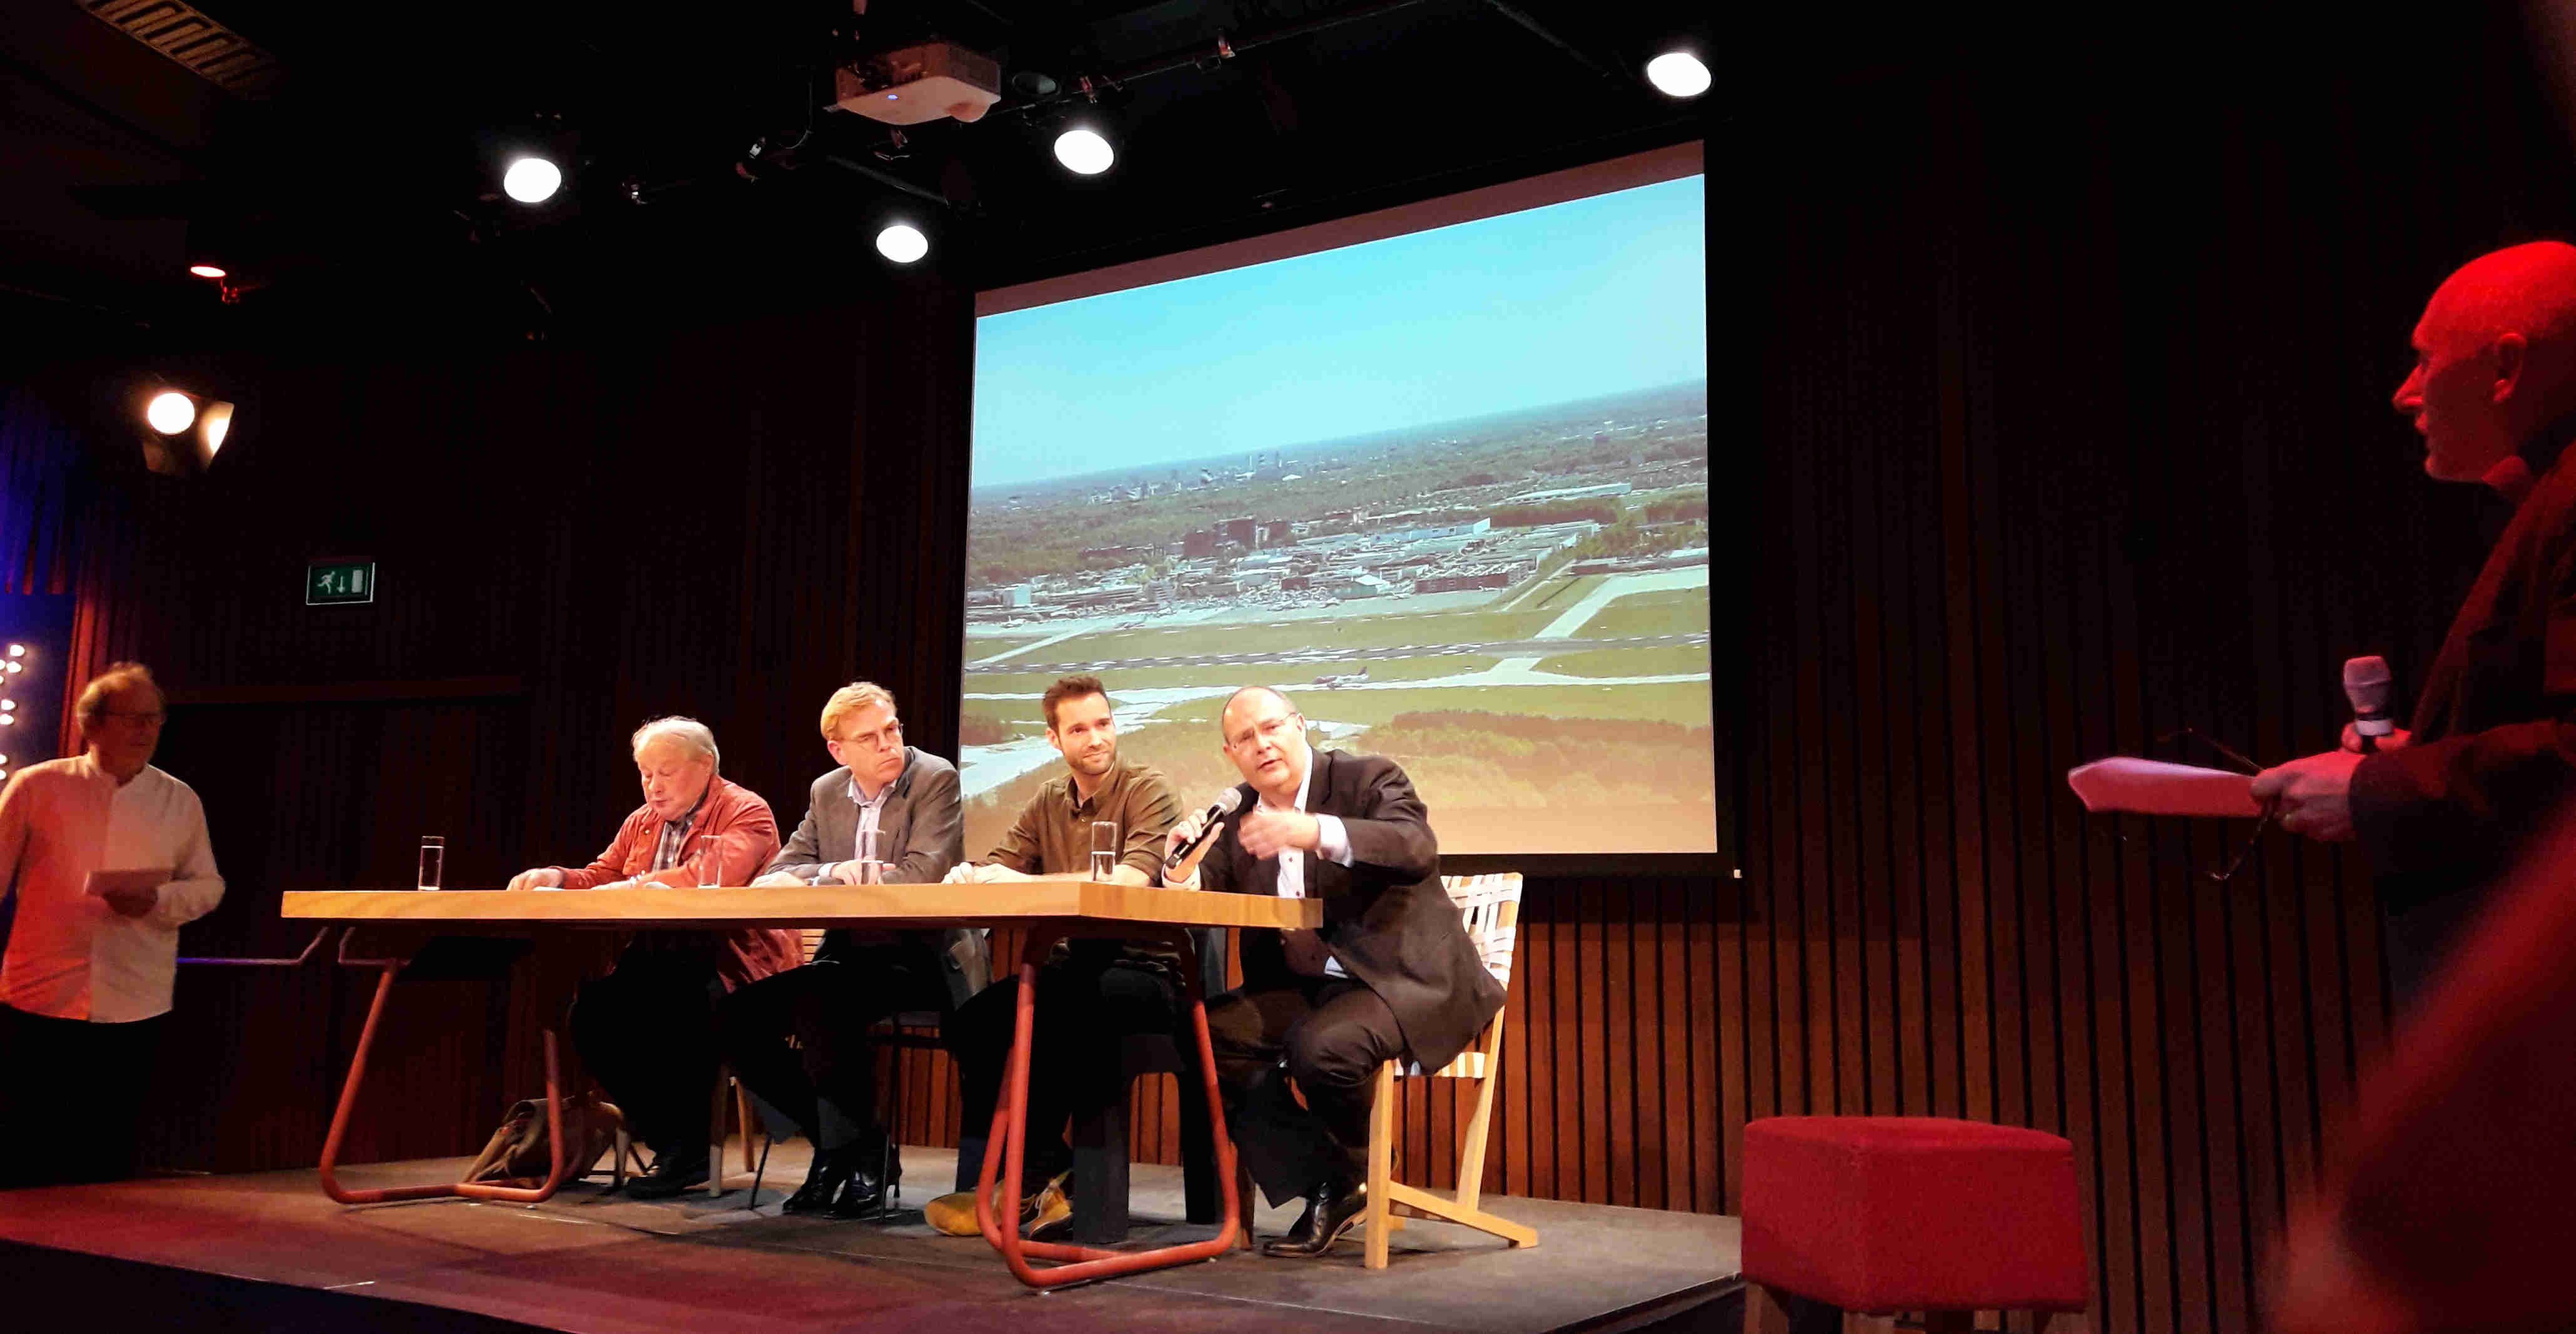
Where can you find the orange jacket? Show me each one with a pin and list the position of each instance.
(735, 824)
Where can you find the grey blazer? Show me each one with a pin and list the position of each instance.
(920, 833)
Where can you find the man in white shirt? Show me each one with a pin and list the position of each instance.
(1390, 973)
(108, 858)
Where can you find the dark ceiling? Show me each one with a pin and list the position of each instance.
(356, 165)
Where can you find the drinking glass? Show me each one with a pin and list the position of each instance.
(433, 859)
(1104, 849)
(708, 867)
(871, 870)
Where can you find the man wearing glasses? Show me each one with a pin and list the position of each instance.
(1391, 972)
(109, 858)
(889, 814)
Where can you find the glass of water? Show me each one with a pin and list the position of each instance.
(710, 867)
(871, 868)
(1104, 849)
(433, 860)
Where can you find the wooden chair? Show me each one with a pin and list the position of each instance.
(1490, 906)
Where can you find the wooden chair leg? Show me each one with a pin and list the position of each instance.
(1381, 1164)
(742, 1117)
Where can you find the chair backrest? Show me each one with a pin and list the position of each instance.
(812, 939)
(1489, 906)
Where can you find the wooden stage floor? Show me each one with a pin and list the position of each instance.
(268, 1251)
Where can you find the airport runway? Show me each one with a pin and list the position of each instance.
(1500, 648)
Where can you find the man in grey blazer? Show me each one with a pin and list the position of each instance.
(890, 813)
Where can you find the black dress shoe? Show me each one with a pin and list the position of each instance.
(672, 1173)
(1330, 1212)
(863, 1193)
(822, 1181)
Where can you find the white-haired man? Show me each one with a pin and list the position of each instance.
(647, 1031)
(109, 858)
(893, 804)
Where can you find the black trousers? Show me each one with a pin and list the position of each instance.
(1332, 1033)
(826, 1082)
(61, 1073)
(647, 1033)
(1085, 1011)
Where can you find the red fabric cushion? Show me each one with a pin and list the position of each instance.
(1912, 1213)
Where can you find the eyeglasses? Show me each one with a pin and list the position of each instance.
(1277, 727)
(884, 738)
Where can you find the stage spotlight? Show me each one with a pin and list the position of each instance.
(17, 650)
(1677, 74)
(531, 180)
(903, 243)
(212, 426)
(206, 270)
(171, 412)
(1083, 151)
(8, 706)
(17, 666)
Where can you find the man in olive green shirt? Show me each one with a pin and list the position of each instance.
(1091, 993)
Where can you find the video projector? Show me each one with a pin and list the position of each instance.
(919, 83)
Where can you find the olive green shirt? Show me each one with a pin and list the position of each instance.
(1053, 833)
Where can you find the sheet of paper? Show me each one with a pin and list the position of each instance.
(2160, 787)
(108, 882)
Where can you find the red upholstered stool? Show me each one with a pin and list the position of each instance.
(1909, 1213)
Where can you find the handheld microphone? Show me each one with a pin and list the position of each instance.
(1183, 861)
(2365, 683)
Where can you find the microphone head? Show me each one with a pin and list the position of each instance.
(2365, 683)
(1228, 801)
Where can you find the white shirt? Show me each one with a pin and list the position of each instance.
(70, 955)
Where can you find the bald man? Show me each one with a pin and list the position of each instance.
(2442, 807)
(1390, 973)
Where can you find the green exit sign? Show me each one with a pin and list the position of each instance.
(339, 581)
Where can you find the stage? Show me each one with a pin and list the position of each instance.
(267, 1251)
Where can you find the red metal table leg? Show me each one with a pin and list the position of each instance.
(471, 1190)
(1003, 1150)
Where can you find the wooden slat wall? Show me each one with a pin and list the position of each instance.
(2059, 433)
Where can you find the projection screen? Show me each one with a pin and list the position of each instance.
(1447, 489)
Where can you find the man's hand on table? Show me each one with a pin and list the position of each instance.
(536, 877)
(969, 873)
(777, 880)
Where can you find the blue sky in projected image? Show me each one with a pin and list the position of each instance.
(1572, 301)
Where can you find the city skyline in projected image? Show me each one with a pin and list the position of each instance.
(1487, 559)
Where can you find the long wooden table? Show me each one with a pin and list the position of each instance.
(1050, 910)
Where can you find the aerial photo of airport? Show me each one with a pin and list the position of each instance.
(1513, 607)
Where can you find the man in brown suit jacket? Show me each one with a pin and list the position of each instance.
(1390, 974)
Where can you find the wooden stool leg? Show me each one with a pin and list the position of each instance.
(1764, 1312)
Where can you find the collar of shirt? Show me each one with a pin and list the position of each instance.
(1303, 783)
(666, 848)
(1111, 784)
(859, 796)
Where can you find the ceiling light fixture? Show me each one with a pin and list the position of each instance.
(170, 412)
(1084, 151)
(1677, 74)
(531, 180)
(902, 242)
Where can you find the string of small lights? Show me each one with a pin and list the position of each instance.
(13, 670)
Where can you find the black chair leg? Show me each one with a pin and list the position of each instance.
(1100, 1172)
